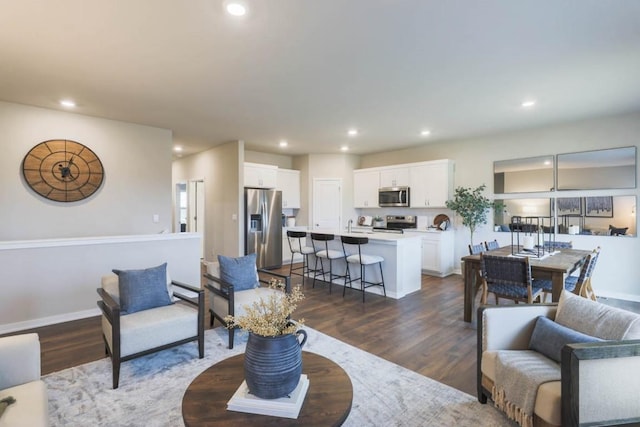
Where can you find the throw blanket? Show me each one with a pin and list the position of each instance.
(519, 373)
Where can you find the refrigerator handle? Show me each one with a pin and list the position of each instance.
(265, 220)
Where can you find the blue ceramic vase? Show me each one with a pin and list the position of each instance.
(273, 365)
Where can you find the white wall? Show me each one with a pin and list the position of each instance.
(315, 166)
(618, 271)
(281, 160)
(223, 176)
(137, 183)
(55, 280)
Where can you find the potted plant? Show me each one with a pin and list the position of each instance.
(472, 206)
(378, 221)
(273, 357)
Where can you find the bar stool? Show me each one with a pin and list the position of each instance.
(326, 253)
(295, 245)
(363, 261)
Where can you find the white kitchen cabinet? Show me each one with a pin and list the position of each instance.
(366, 183)
(260, 176)
(394, 177)
(431, 184)
(437, 252)
(289, 184)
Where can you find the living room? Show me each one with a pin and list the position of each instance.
(137, 197)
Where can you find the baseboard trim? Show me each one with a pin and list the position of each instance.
(46, 321)
(618, 295)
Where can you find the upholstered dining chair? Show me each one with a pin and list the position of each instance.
(143, 311)
(508, 277)
(476, 249)
(234, 283)
(492, 245)
(553, 245)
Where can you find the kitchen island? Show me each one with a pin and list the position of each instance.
(401, 266)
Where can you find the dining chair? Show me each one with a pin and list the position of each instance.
(581, 284)
(553, 245)
(508, 277)
(492, 245)
(476, 249)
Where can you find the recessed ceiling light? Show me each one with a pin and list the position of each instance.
(283, 143)
(344, 148)
(425, 132)
(67, 103)
(352, 132)
(177, 148)
(528, 104)
(236, 9)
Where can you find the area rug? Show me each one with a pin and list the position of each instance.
(151, 389)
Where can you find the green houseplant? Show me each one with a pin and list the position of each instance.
(472, 206)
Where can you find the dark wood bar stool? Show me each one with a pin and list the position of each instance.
(363, 260)
(296, 245)
(320, 243)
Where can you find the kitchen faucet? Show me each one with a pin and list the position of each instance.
(349, 225)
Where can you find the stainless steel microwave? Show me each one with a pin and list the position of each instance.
(393, 196)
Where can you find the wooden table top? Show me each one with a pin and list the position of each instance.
(328, 400)
(564, 260)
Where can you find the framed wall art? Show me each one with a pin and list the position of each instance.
(599, 207)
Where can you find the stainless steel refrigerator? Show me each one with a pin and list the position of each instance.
(263, 226)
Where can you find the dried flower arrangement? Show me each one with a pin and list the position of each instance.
(270, 317)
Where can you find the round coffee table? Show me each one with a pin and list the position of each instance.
(327, 403)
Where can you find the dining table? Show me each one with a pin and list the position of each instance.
(554, 266)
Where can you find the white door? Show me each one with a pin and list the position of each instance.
(327, 203)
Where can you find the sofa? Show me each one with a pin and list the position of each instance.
(576, 362)
(20, 379)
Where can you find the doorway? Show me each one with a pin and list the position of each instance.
(327, 203)
(190, 205)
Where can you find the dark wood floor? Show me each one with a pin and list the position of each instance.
(423, 332)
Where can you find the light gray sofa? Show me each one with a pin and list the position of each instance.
(599, 381)
(20, 378)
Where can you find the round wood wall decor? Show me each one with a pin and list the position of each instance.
(62, 170)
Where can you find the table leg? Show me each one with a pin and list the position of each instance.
(557, 278)
(469, 289)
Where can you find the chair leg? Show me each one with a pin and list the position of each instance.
(291, 265)
(363, 280)
(232, 333)
(330, 273)
(115, 367)
(483, 299)
(384, 289)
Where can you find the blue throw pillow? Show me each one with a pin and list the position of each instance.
(549, 337)
(143, 289)
(240, 272)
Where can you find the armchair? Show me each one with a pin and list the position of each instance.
(20, 379)
(139, 333)
(225, 300)
(599, 382)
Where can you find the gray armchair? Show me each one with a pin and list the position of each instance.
(137, 334)
(225, 300)
(598, 382)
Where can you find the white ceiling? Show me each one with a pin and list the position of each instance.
(307, 70)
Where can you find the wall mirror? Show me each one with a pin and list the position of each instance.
(597, 216)
(599, 169)
(533, 174)
(523, 208)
